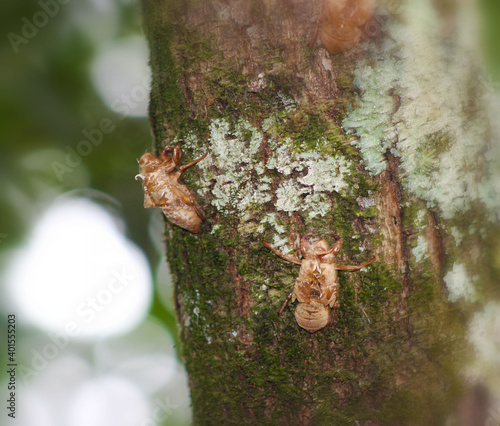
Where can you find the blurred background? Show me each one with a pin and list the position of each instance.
(82, 263)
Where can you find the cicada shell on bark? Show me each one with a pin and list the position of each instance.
(317, 287)
(163, 188)
(341, 23)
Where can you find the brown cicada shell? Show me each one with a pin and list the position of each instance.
(162, 187)
(317, 286)
(341, 23)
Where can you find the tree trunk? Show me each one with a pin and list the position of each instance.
(381, 145)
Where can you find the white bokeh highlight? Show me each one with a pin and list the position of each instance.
(129, 379)
(79, 274)
(108, 401)
(97, 20)
(121, 76)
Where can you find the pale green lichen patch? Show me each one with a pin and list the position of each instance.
(280, 234)
(324, 174)
(484, 335)
(460, 284)
(421, 100)
(319, 176)
(236, 179)
(420, 250)
(457, 235)
(416, 103)
(236, 152)
(372, 120)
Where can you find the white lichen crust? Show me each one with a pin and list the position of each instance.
(238, 183)
(484, 335)
(415, 102)
(460, 284)
(422, 99)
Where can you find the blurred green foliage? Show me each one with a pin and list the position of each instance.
(47, 99)
(490, 37)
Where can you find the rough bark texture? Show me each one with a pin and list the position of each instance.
(287, 152)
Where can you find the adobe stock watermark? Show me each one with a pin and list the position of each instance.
(489, 84)
(92, 306)
(87, 310)
(85, 147)
(30, 27)
(124, 105)
(162, 411)
(493, 416)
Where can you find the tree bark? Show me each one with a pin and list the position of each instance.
(382, 146)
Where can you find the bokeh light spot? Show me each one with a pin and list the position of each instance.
(121, 76)
(79, 274)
